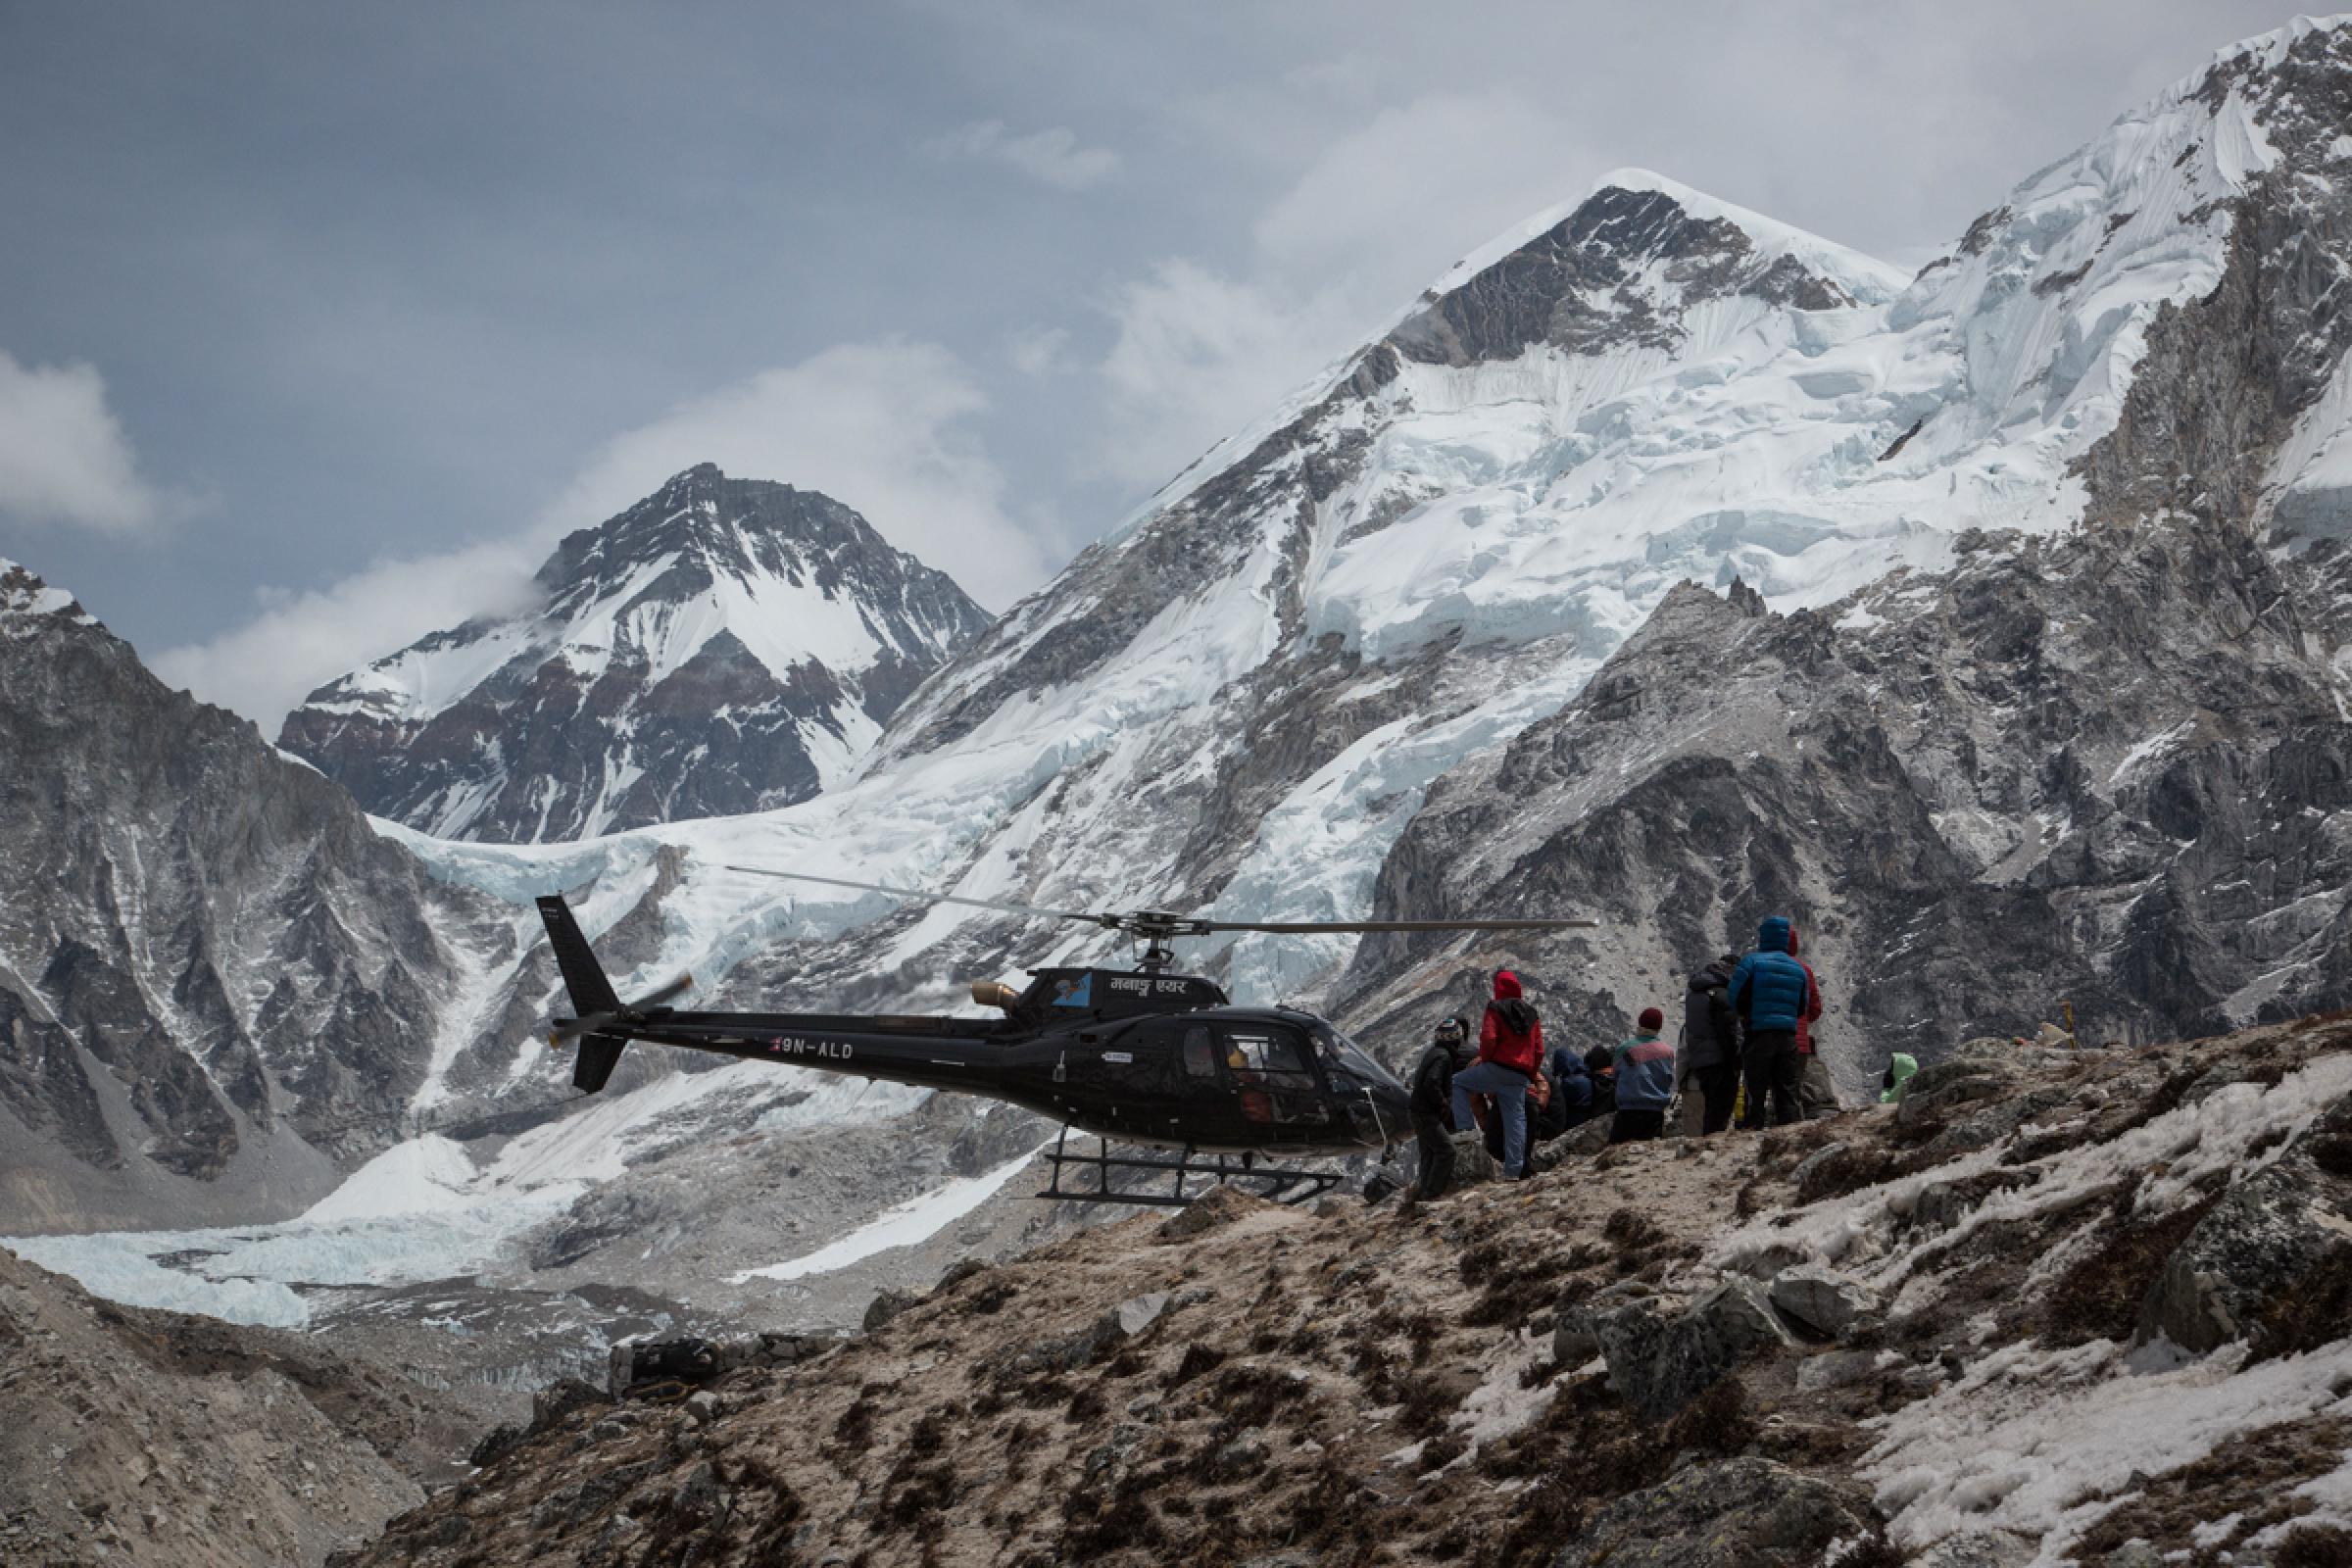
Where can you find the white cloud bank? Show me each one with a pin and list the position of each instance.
(64, 459)
(1053, 156)
(881, 427)
(299, 641)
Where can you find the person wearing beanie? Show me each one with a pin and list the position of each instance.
(1644, 1081)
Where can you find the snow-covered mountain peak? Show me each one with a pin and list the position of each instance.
(722, 646)
(1642, 262)
(1840, 269)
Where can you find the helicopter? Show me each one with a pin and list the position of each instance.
(1145, 1057)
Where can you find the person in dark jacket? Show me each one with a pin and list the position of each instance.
(1571, 1102)
(1571, 1088)
(1644, 1081)
(1708, 1060)
(1511, 1043)
(1600, 1065)
(1433, 1105)
(1772, 992)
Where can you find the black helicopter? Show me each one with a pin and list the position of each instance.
(1138, 1056)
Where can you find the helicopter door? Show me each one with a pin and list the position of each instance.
(1275, 1075)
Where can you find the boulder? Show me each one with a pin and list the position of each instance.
(560, 1398)
(1139, 1312)
(885, 1306)
(1988, 1549)
(1814, 1162)
(2273, 1253)
(1064, 1352)
(1838, 1369)
(1471, 1161)
(1219, 1205)
(1821, 1300)
(1733, 1513)
(1661, 1361)
(1941, 1087)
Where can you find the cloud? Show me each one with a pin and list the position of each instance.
(1343, 249)
(64, 459)
(1038, 349)
(882, 427)
(1199, 353)
(1393, 200)
(1051, 154)
(301, 640)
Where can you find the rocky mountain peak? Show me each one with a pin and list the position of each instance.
(1621, 268)
(709, 525)
(722, 646)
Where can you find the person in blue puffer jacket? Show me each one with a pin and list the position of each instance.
(1771, 992)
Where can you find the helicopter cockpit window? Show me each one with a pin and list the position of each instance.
(1199, 1053)
(1273, 1060)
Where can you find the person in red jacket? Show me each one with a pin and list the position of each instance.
(1510, 1045)
(1814, 1094)
(1812, 1008)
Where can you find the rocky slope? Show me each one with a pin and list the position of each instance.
(723, 646)
(2111, 770)
(219, 987)
(138, 1437)
(2057, 1305)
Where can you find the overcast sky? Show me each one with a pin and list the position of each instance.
(320, 322)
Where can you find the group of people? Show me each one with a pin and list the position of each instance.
(1747, 1031)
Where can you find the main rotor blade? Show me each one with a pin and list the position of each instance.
(1110, 920)
(661, 994)
(1312, 927)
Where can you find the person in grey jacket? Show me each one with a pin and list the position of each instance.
(1708, 1061)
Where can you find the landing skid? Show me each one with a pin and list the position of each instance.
(1284, 1183)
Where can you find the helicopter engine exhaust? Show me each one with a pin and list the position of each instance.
(994, 994)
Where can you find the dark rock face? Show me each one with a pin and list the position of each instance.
(1735, 1513)
(587, 721)
(2271, 1262)
(1578, 288)
(2111, 771)
(206, 956)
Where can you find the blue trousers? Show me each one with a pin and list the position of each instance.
(1509, 1090)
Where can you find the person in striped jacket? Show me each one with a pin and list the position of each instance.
(1644, 1081)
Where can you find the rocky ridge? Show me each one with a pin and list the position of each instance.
(218, 986)
(723, 646)
(138, 1437)
(1944, 1332)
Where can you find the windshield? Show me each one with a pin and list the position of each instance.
(1341, 1052)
